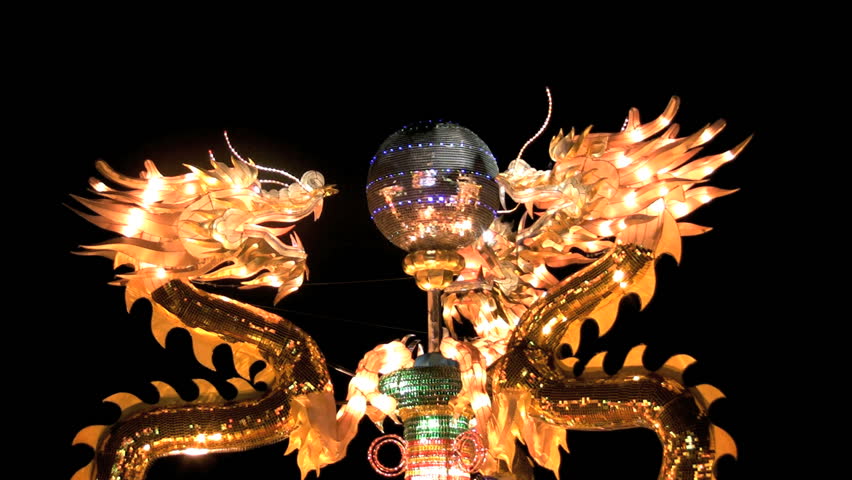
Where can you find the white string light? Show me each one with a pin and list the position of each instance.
(261, 167)
(546, 121)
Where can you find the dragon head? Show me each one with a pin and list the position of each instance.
(206, 225)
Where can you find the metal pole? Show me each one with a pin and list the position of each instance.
(435, 320)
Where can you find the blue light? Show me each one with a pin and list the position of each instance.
(412, 172)
(432, 200)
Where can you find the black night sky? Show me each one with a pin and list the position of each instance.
(713, 306)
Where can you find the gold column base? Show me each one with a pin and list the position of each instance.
(433, 269)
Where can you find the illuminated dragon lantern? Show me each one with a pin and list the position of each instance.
(609, 207)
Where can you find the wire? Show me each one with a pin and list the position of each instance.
(314, 284)
(338, 319)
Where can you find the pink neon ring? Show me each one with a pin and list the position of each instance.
(373, 451)
(479, 447)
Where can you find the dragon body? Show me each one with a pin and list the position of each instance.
(609, 207)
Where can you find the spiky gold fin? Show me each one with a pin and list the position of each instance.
(89, 435)
(724, 443)
(594, 369)
(707, 394)
(567, 365)
(127, 402)
(168, 395)
(675, 366)
(85, 473)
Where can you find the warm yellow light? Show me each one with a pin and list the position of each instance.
(623, 284)
(135, 218)
(488, 236)
(605, 229)
(643, 174)
(622, 160)
(630, 199)
(728, 156)
(100, 187)
(479, 401)
(364, 384)
(161, 272)
(636, 378)
(190, 189)
(706, 135)
(618, 275)
(194, 451)
(383, 402)
(705, 198)
(548, 326)
(708, 170)
(663, 191)
(657, 207)
(427, 212)
(635, 136)
(680, 209)
(152, 191)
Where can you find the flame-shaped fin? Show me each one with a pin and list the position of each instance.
(572, 335)
(203, 344)
(567, 365)
(595, 369)
(605, 315)
(168, 395)
(244, 388)
(644, 286)
(687, 229)
(129, 182)
(633, 364)
(724, 443)
(130, 296)
(675, 366)
(207, 392)
(245, 355)
(267, 375)
(162, 322)
(670, 242)
(85, 473)
(127, 402)
(89, 435)
(707, 394)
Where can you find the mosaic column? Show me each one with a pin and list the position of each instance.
(424, 394)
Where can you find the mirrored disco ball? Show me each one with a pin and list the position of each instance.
(431, 186)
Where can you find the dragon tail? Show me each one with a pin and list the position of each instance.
(299, 394)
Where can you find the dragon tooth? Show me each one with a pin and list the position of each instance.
(168, 394)
(675, 366)
(707, 394)
(724, 443)
(594, 368)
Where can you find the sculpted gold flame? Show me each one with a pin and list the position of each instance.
(610, 206)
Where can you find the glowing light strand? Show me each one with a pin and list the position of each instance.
(261, 167)
(373, 455)
(546, 122)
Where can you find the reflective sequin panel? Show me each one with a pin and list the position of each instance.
(130, 446)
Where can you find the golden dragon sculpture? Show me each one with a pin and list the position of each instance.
(610, 206)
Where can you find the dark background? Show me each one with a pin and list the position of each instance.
(718, 306)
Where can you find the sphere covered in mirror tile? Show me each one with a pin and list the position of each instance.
(431, 186)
